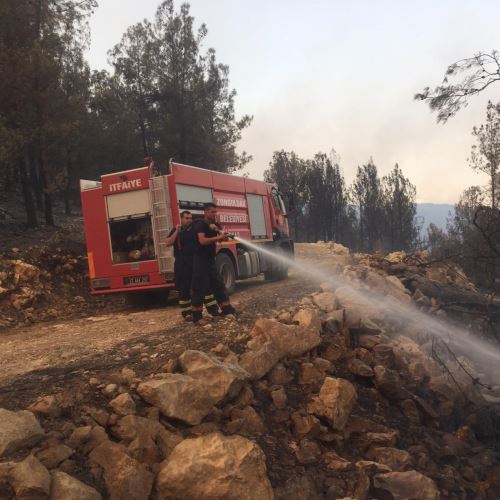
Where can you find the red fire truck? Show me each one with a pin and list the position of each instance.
(127, 216)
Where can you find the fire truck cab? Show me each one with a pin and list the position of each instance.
(128, 215)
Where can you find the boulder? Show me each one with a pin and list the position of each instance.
(378, 439)
(131, 426)
(273, 341)
(124, 476)
(326, 301)
(99, 415)
(79, 436)
(95, 437)
(371, 468)
(245, 421)
(178, 396)
(384, 355)
(30, 479)
(258, 362)
(356, 306)
(123, 404)
(335, 462)
(357, 367)
(129, 376)
(410, 410)
(52, 456)
(388, 382)
(144, 450)
(279, 397)
(66, 487)
(215, 466)
(334, 402)
(305, 425)
(397, 460)
(18, 430)
(308, 452)
(222, 380)
(280, 375)
(310, 375)
(404, 485)
(167, 441)
(45, 406)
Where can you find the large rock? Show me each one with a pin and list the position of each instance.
(131, 426)
(30, 480)
(125, 477)
(123, 404)
(18, 430)
(396, 459)
(66, 487)
(405, 485)
(356, 306)
(178, 396)
(273, 341)
(45, 406)
(326, 301)
(222, 379)
(357, 367)
(334, 402)
(260, 361)
(389, 383)
(212, 467)
(53, 455)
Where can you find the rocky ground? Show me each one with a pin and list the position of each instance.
(306, 395)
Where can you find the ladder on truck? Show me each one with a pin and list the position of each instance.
(161, 218)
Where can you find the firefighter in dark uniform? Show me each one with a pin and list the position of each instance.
(184, 240)
(205, 274)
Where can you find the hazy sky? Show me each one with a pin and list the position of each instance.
(325, 74)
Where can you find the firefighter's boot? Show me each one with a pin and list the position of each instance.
(211, 305)
(185, 306)
(197, 316)
(227, 309)
(187, 314)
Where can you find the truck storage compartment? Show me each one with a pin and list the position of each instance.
(131, 239)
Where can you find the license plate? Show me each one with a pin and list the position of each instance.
(136, 280)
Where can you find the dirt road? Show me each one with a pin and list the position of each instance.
(41, 354)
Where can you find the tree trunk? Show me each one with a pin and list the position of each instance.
(69, 178)
(29, 203)
(7, 179)
(35, 180)
(296, 227)
(49, 216)
(493, 188)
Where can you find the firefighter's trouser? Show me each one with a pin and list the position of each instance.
(185, 303)
(183, 272)
(183, 269)
(207, 279)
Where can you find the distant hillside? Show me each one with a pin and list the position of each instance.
(435, 213)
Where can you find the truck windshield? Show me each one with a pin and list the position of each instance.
(282, 203)
(278, 201)
(131, 239)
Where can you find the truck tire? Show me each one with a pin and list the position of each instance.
(146, 300)
(227, 272)
(281, 271)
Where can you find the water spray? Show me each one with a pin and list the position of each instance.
(473, 347)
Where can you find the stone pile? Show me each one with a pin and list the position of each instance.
(40, 284)
(321, 402)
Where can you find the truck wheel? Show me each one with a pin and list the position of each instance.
(227, 272)
(145, 300)
(280, 272)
